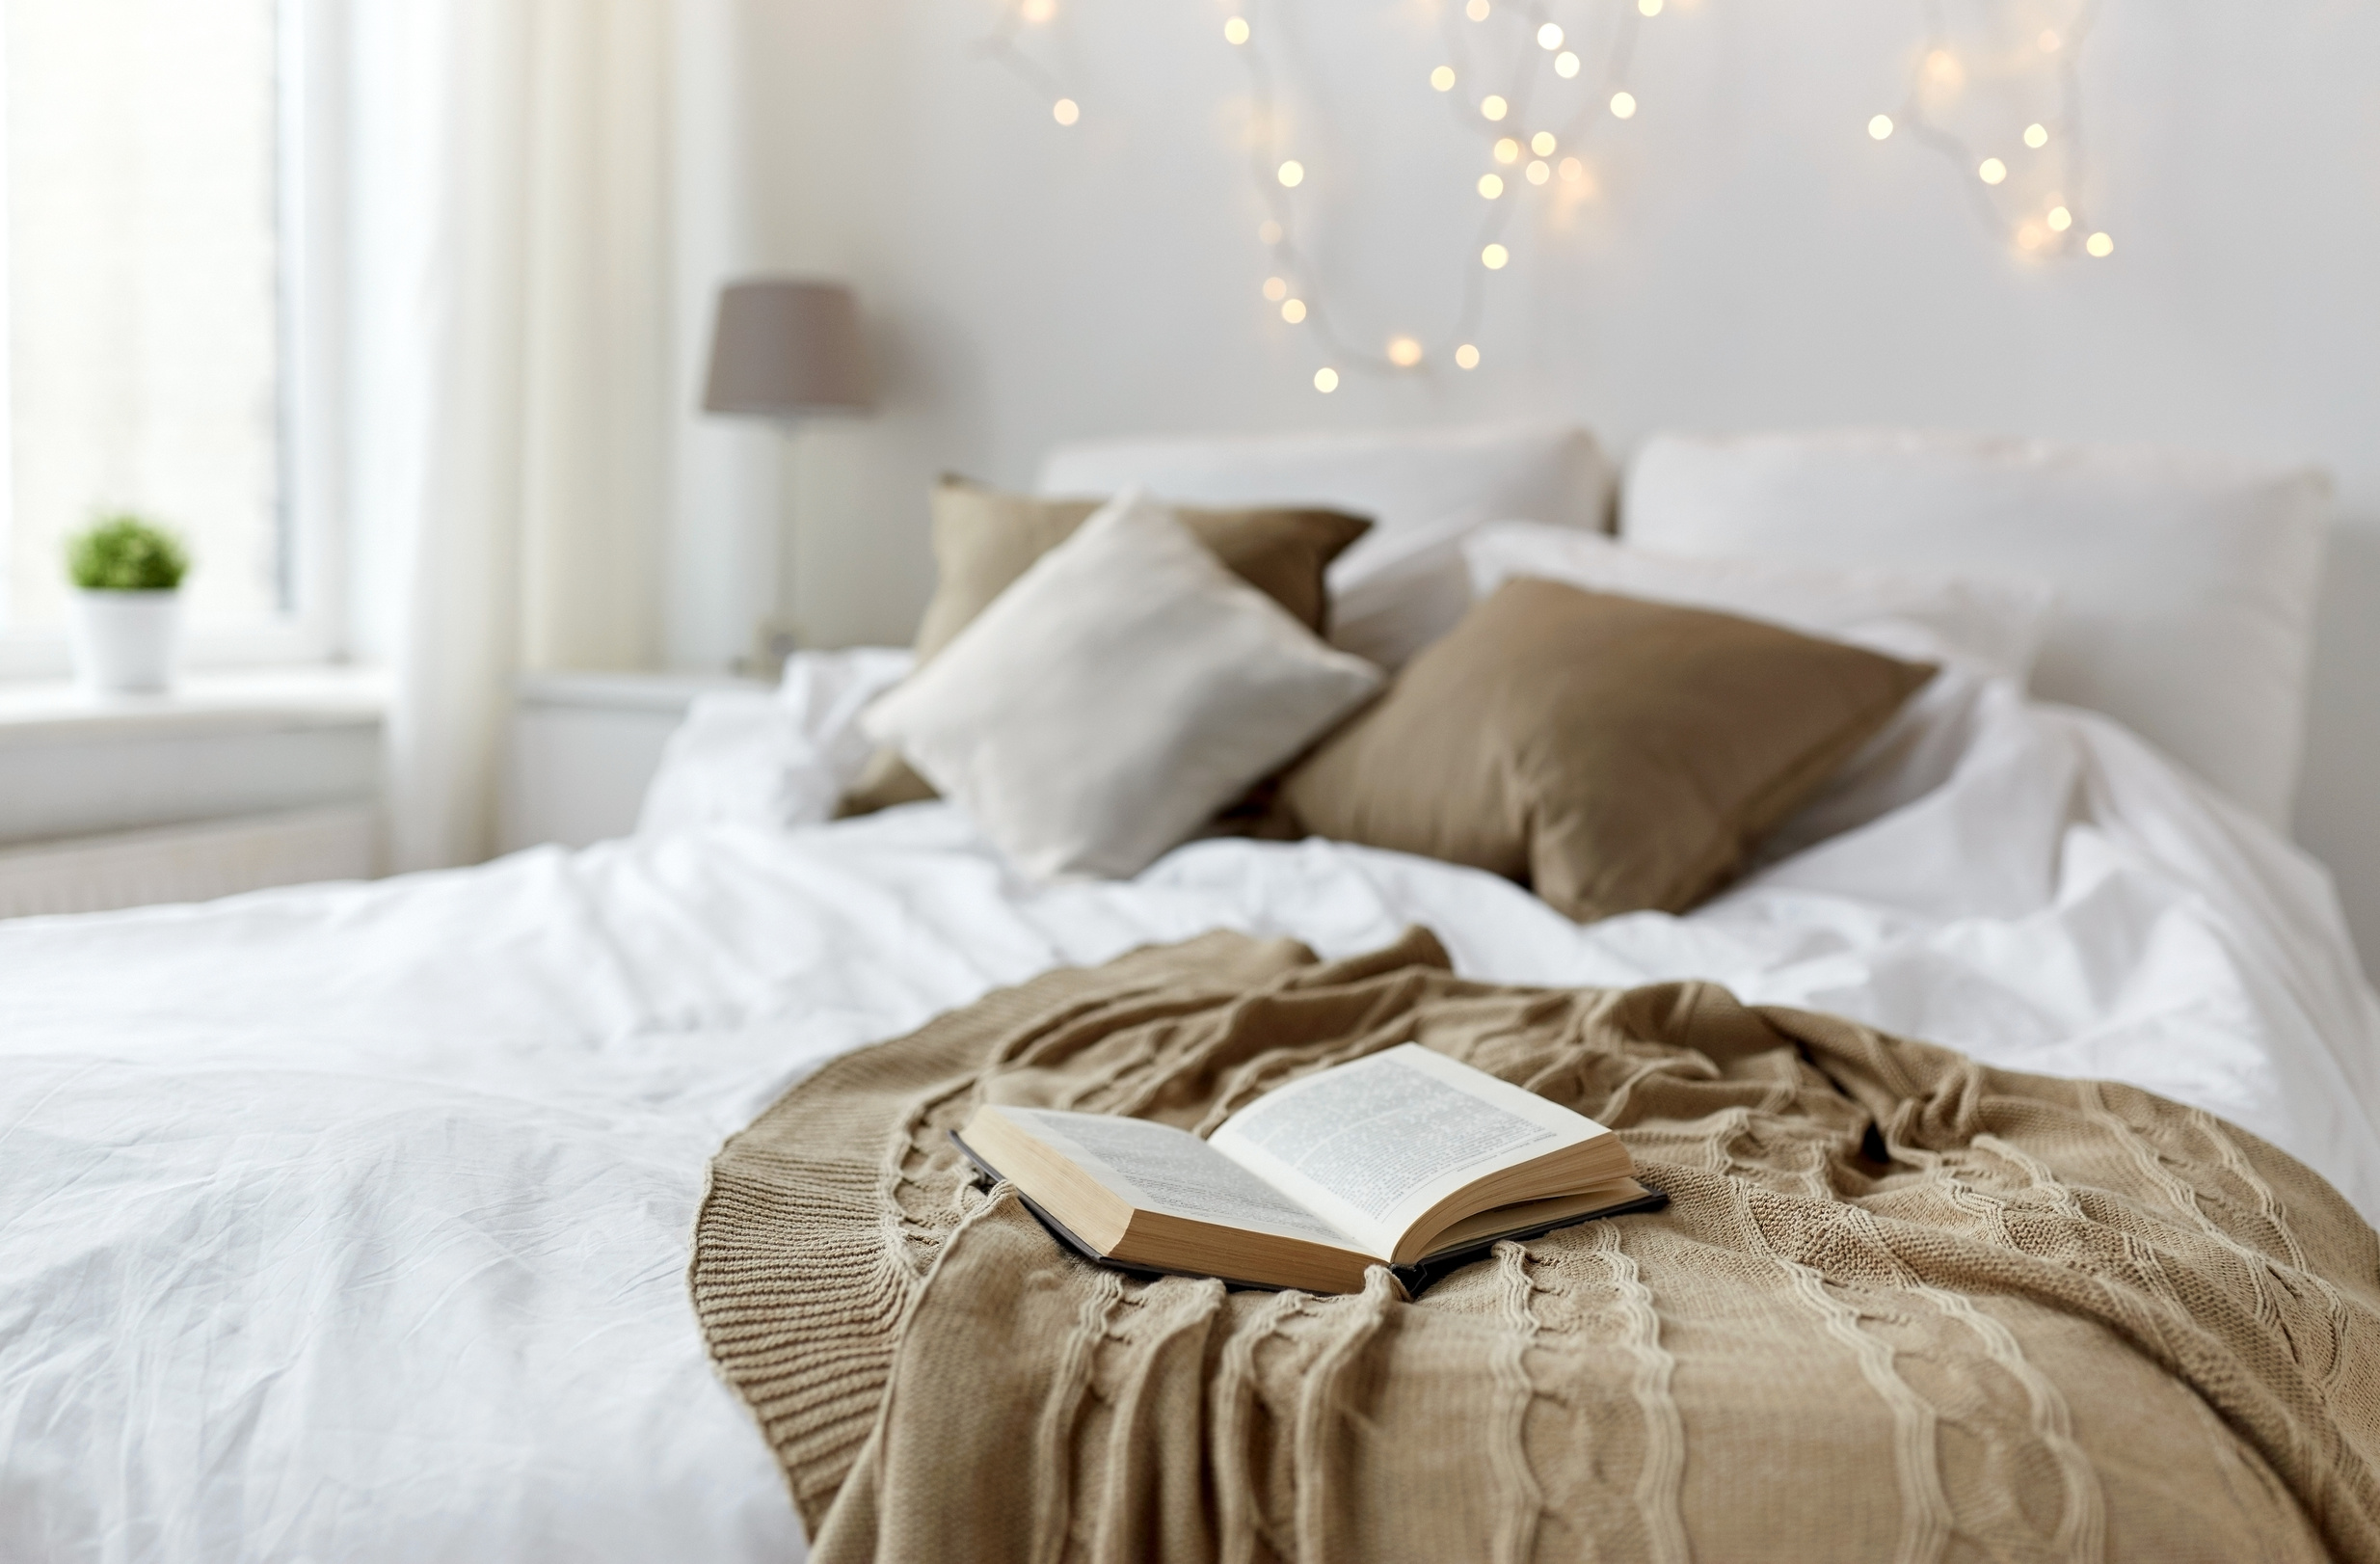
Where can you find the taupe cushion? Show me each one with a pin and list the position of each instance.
(1612, 754)
(984, 540)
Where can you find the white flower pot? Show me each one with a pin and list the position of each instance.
(124, 642)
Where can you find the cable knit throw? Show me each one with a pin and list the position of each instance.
(1899, 1307)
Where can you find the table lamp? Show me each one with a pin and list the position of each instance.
(786, 350)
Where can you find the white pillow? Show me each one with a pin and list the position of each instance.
(2187, 585)
(774, 759)
(1115, 696)
(1398, 597)
(1400, 478)
(1996, 625)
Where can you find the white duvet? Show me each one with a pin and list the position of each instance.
(349, 1222)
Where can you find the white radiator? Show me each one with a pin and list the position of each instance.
(189, 863)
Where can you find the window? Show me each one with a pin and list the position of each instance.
(146, 304)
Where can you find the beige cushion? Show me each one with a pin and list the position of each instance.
(984, 540)
(1613, 754)
(1123, 690)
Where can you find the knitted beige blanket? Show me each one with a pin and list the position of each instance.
(1901, 1306)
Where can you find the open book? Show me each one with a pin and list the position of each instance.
(1405, 1157)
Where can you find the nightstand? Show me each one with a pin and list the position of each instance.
(583, 747)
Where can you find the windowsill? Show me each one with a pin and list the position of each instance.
(279, 699)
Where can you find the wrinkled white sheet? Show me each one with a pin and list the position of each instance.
(349, 1222)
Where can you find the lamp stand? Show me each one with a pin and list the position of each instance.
(776, 634)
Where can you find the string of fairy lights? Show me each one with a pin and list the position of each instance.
(2028, 182)
(1530, 60)
(1001, 48)
(1517, 81)
(1501, 60)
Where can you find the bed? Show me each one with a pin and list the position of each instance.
(351, 1221)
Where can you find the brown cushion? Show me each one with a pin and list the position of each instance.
(1611, 753)
(984, 540)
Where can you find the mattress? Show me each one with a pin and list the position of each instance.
(351, 1221)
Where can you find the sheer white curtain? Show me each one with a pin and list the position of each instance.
(523, 259)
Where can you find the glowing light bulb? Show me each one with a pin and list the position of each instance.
(1236, 30)
(1037, 12)
(2101, 246)
(2037, 137)
(1508, 150)
(1543, 143)
(1539, 170)
(1494, 258)
(1269, 232)
(1494, 107)
(1648, 7)
(1623, 105)
(1443, 78)
(1943, 66)
(1403, 352)
(1326, 380)
(1566, 65)
(2050, 42)
(1549, 37)
(1276, 289)
(1294, 310)
(1291, 174)
(1491, 186)
(1467, 357)
(2060, 219)
(2032, 236)
(1065, 111)
(1475, 9)
(1572, 171)
(1992, 171)
(1880, 128)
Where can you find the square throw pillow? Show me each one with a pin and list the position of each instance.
(1613, 754)
(984, 540)
(1125, 688)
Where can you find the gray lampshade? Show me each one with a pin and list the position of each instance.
(786, 349)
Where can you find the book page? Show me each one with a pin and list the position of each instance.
(1374, 1144)
(1169, 1169)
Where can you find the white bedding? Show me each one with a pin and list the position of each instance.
(349, 1222)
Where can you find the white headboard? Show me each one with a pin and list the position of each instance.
(1402, 479)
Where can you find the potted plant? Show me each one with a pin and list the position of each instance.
(127, 574)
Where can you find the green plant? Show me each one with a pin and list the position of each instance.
(126, 554)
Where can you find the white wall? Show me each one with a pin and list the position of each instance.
(1752, 261)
